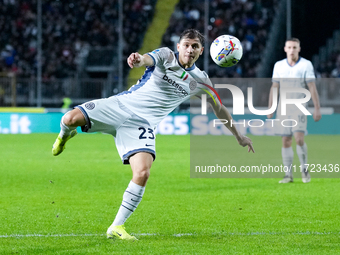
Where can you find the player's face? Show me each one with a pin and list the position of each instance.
(292, 49)
(189, 50)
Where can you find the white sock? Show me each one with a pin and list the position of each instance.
(64, 129)
(131, 198)
(301, 151)
(287, 159)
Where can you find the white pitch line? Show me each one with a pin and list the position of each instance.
(176, 235)
(54, 235)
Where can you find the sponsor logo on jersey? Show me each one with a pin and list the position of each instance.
(179, 89)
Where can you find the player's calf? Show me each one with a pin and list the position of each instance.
(140, 165)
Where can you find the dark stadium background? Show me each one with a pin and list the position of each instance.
(313, 22)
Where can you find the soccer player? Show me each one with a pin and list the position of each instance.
(294, 71)
(132, 116)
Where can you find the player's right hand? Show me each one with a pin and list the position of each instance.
(135, 60)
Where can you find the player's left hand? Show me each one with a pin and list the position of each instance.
(246, 141)
(316, 115)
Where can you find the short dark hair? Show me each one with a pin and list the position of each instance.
(192, 34)
(293, 39)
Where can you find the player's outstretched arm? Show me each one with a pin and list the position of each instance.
(137, 60)
(222, 113)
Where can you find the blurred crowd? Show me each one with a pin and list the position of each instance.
(69, 28)
(248, 20)
(329, 68)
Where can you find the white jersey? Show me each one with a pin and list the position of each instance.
(293, 76)
(296, 76)
(163, 87)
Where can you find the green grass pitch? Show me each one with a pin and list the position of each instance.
(64, 204)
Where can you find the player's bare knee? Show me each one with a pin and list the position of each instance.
(300, 141)
(286, 141)
(67, 119)
(70, 119)
(142, 173)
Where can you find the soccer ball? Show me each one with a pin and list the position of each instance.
(226, 50)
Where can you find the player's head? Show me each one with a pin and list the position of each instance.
(292, 48)
(190, 47)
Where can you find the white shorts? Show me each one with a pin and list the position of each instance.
(289, 124)
(132, 133)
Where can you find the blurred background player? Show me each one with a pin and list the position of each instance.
(132, 116)
(294, 71)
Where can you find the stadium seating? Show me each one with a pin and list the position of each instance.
(248, 20)
(68, 29)
(327, 62)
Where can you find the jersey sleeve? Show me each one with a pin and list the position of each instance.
(276, 76)
(309, 75)
(205, 86)
(209, 85)
(160, 56)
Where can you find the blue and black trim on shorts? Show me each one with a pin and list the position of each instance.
(127, 155)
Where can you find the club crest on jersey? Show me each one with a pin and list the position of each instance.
(226, 51)
(90, 106)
